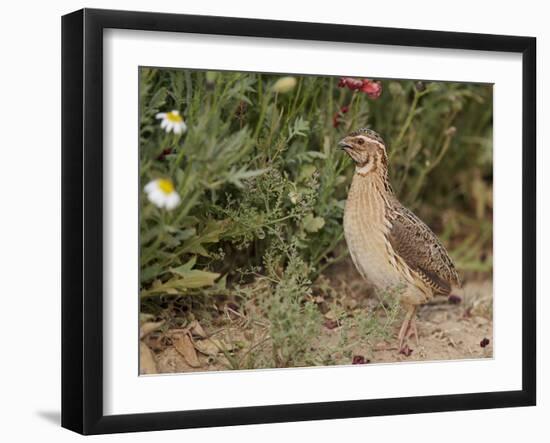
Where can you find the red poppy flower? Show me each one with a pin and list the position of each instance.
(164, 153)
(350, 83)
(337, 115)
(370, 87)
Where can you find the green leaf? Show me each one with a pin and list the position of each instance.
(312, 223)
(236, 177)
(158, 99)
(341, 204)
(192, 279)
(300, 128)
(306, 172)
(149, 272)
(197, 248)
(188, 220)
(185, 268)
(210, 234)
(178, 235)
(316, 154)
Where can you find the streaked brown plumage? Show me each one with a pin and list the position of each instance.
(390, 246)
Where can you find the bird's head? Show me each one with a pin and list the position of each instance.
(367, 149)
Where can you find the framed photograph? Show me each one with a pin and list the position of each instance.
(270, 221)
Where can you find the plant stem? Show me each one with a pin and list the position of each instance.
(408, 121)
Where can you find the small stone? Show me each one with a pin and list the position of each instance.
(455, 299)
(330, 324)
(484, 343)
(359, 360)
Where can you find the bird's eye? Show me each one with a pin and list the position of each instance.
(360, 141)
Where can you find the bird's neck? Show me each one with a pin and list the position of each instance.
(376, 174)
(369, 199)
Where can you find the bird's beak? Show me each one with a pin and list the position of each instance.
(343, 144)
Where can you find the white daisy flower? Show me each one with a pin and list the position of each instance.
(161, 192)
(172, 121)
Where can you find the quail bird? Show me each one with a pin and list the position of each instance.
(389, 245)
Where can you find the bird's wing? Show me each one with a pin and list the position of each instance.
(422, 251)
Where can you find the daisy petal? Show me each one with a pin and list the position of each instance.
(157, 198)
(172, 201)
(151, 186)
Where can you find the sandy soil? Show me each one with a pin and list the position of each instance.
(447, 331)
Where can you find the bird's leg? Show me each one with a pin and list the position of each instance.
(413, 331)
(408, 322)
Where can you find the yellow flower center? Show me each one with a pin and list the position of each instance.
(166, 186)
(174, 117)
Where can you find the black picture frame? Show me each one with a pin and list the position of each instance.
(82, 220)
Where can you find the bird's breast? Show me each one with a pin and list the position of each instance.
(366, 227)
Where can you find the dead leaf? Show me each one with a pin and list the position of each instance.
(213, 346)
(196, 329)
(207, 347)
(184, 345)
(146, 328)
(350, 303)
(144, 318)
(147, 364)
(170, 361)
